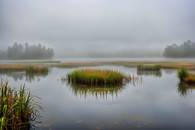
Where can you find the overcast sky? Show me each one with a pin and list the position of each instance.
(97, 25)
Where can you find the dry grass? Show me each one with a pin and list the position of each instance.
(190, 79)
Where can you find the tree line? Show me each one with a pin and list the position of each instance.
(187, 49)
(26, 51)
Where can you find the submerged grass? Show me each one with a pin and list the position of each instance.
(96, 77)
(17, 108)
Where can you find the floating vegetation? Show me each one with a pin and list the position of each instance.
(17, 108)
(185, 76)
(148, 67)
(94, 77)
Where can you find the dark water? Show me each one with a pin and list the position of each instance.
(154, 101)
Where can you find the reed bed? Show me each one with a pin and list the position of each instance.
(96, 77)
(149, 67)
(17, 108)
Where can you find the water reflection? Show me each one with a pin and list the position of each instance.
(96, 91)
(101, 92)
(184, 88)
(22, 75)
(156, 73)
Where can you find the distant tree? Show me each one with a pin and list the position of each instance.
(19, 51)
(3, 54)
(187, 49)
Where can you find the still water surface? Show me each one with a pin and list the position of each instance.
(154, 101)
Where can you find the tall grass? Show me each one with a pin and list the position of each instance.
(185, 76)
(96, 77)
(182, 74)
(17, 108)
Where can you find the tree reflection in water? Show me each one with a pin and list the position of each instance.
(20, 75)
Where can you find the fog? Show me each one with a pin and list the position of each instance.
(98, 27)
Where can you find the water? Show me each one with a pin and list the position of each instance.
(154, 101)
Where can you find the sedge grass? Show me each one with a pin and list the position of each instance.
(185, 76)
(96, 77)
(17, 108)
(36, 70)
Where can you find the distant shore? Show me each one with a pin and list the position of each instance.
(167, 64)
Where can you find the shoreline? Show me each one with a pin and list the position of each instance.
(131, 63)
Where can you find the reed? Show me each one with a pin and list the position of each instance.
(149, 67)
(17, 108)
(96, 77)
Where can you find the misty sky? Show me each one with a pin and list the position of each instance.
(71, 26)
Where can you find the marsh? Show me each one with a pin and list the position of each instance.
(152, 102)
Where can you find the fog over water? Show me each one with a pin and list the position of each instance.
(98, 27)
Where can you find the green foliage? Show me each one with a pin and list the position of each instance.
(17, 108)
(96, 77)
(182, 74)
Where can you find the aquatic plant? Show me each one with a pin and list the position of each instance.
(96, 77)
(186, 77)
(190, 79)
(17, 108)
(36, 70)
(149, 67)
(182, 74)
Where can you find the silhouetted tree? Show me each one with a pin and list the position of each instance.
(19, 51)
(187, 49)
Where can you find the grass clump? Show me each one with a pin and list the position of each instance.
(185, 76)
(36, 70)
(96, 77)
(182, 74)
(148, 67)
(17, 108)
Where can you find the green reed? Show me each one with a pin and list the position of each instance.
(17, 108)
(96, 77)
